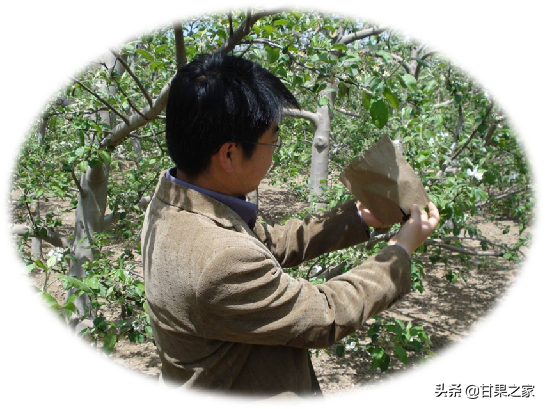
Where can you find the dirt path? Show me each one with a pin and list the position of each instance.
(447, 311)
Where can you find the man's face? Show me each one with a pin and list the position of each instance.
(251, 171)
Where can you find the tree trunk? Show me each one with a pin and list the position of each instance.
(89, 220)
(36, 242)
(91, 209)
(320, 149)
(252, 197)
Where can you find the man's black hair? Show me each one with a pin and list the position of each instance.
(216, 99)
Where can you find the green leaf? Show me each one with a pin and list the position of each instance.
(136, 337)
(40, 264)
(79, 152)
(319, 87)
(323, 101)
(341, 47)
(146, 55)
(392, 98)
(340, 350)
(415, 345)
(401, 353)
(69, 307)
(105, 157)
(110, 341)
(385, 362)
(50, 301)
(366, 100)
(489, 177)
(272, 54)
(280, 22)
(377, 85)
(100, 323)
(380, 359)
(75, 283)
(343, 90)
(379, 112)
(394, 329)
(408, 81)
(83, 166)
(385, 55)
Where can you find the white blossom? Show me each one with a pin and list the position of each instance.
(474, 173)
(350, 346)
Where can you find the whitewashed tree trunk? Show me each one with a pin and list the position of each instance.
(36, 242)
(91, 209)
(252, 197)
(89, 221)
(137, 146)
(320, 148)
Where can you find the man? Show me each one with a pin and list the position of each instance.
(224, 314)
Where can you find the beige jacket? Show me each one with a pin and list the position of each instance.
(224, 314)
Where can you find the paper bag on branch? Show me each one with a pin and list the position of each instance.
(385, 183)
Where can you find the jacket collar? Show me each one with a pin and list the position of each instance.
(246, 210)
(193, 201)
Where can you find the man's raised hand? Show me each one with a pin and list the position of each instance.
(415, 231)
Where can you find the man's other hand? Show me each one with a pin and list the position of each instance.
(368, 217)
(415, 231)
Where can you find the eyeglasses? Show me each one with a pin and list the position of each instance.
(276, 145)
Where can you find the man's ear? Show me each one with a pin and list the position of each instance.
(224, 156)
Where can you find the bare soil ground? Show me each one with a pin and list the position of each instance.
(447, 311)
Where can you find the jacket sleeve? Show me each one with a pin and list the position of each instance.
(243, 296)
(301, 240)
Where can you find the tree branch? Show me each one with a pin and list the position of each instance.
(121, 131)
(110, 219)
(463, 250)
(331, 272)
(345, 112)
(459, 127)
(181, 58)
(442, 104)
(297, 113)
(502, 195)
(358, 35)
(133, 76)
(102, 100)
(52, 237)
(133, 106)
(474, 133)
(403, 63)
(77, 182)
(442, 242)
(244, 29)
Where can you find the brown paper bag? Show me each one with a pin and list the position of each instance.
(385, 183)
